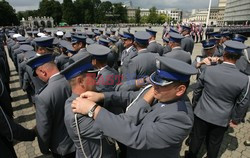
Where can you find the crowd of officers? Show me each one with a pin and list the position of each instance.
(95, 91)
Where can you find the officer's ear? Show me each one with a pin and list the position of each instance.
(93, 61)
(180, 90)
(80, 80)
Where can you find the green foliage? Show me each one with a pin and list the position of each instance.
(138, 16)
(77, 12)
(162, 18)
(144, 19)
(68, 12)
(119, 13)
(26, 14)
(51, 8)
(8, 16)
(153, 17)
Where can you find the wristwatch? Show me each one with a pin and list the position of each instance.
(92, 110)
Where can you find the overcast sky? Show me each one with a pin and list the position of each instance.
(21, 5)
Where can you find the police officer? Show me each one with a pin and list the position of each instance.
(243, 64)
(89, 142)
(208, 57)
(157, 122)
(63, 58)
(79, 44)
(153, 46)
(219, 48)
(44, 45)
(21, 67)
(187, 43)
(129, 51)
(166, 47)
(107, 77)
(52, 133)
(143, 63)
(177, 52)
(216, 107)
(114, 51)
(120, 46)
(10, 131)
(165, 30)
(225, 36)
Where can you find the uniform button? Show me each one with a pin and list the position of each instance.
(146, 111)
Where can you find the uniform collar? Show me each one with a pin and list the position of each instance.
(228, 63)
(54, 75)
(142, 50)
(152, 41)
(99, 72)
(128, 49)
(82, 50)
(178, 47)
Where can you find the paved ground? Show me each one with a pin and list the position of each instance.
(24, 112)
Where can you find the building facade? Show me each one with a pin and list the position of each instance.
(198, 16)
(38, 22)
(237, 12)
(174, 13)
(144, 12)
(131, 12)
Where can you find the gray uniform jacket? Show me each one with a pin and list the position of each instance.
(127, 55)
(155, 47)
(243, 64)
(107, 79)
(52, 133)
(120, 47)
(89, 136)
(28, 79)
(219, 96)
(219, 51)
(19, 133)
(21, 72)
(187, 44)
(199, 58)
(179, 54)
(166, 49)
(148, 131)
(61, 60)
(80, 54)
(141, 65)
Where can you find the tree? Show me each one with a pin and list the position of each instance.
(162, 18)
(69, 13)
(87, 10)
(152, 18)
(120, 13)
(51, 8)
(138, 16)
(8, 16)
(104, 10)
(26, 14)
(144, 19)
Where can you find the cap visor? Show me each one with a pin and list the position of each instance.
(155, 79)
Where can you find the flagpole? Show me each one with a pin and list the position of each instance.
(208, 14)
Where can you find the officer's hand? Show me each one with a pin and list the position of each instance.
(232, 124)
(81, 105)
(93, 96)
(207, 61)
(149, 96)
